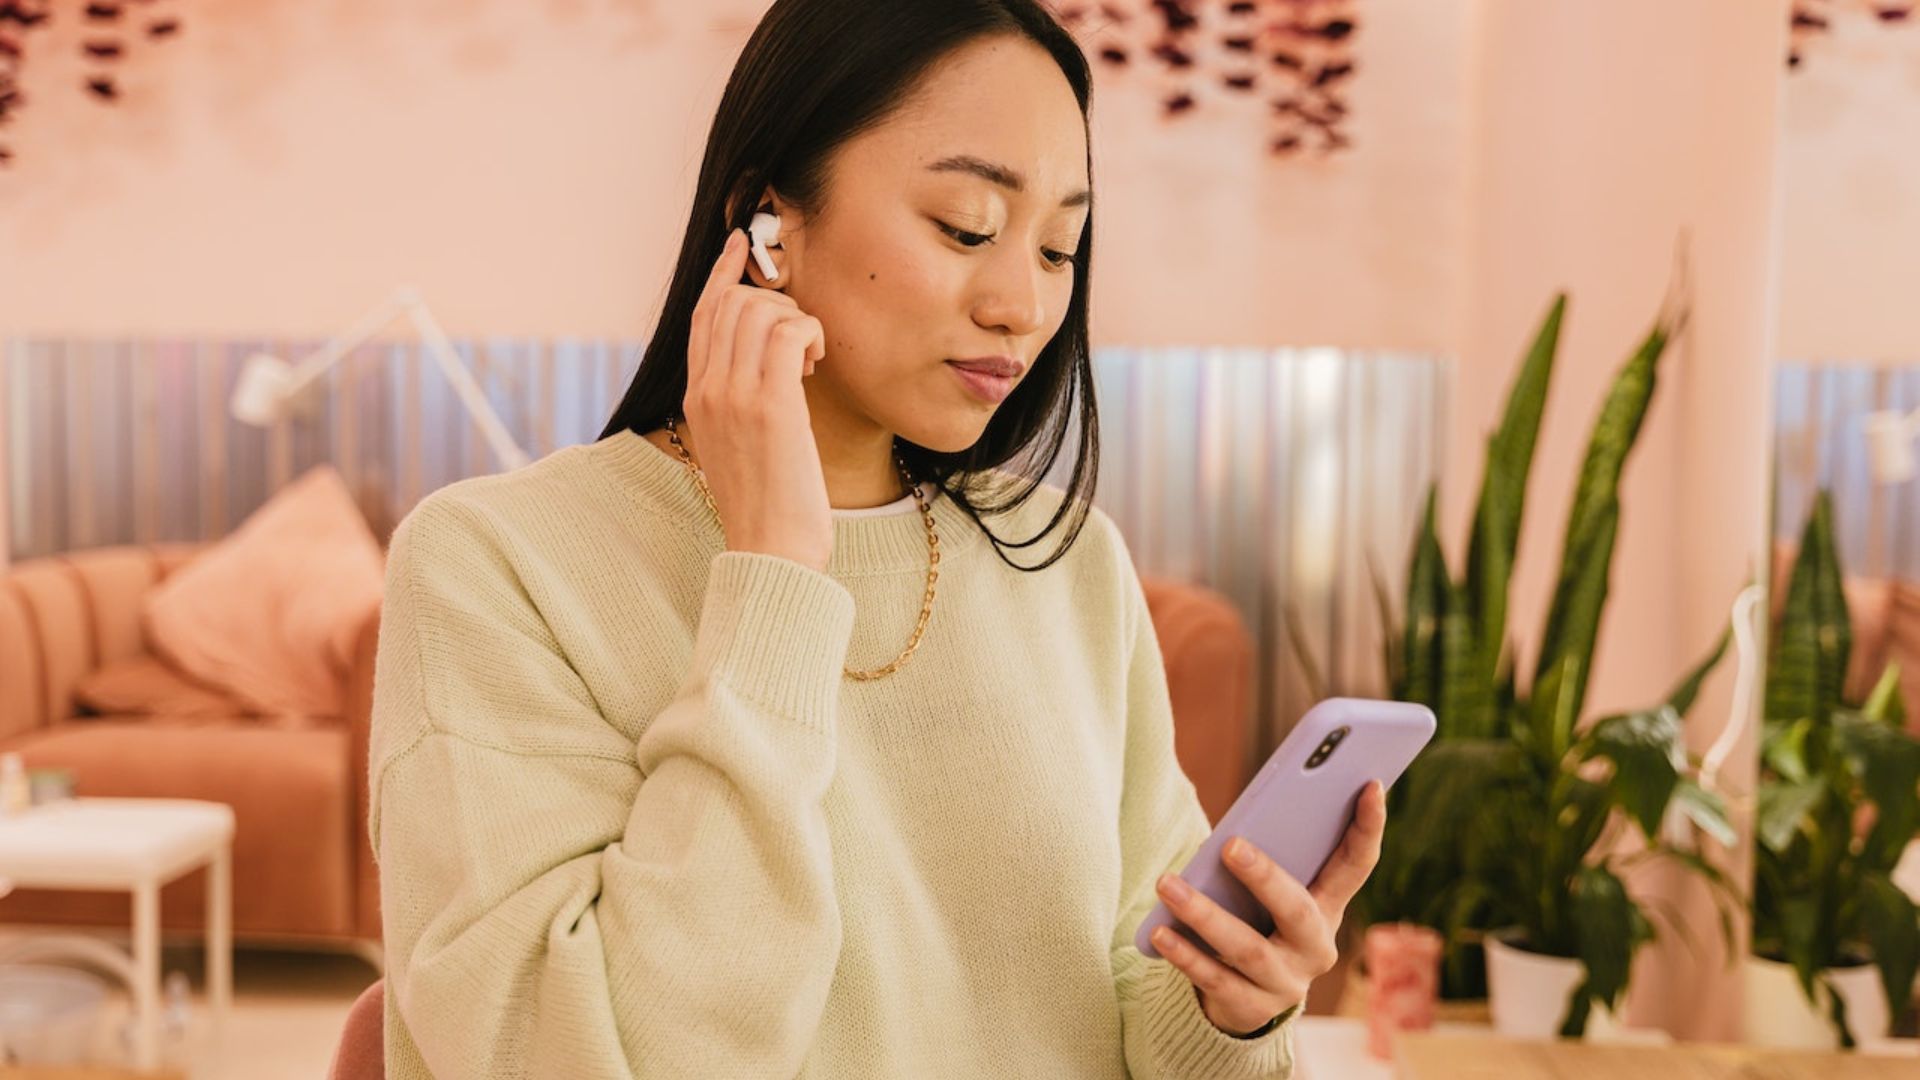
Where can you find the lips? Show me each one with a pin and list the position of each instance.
(1005, 367)
(981, 380)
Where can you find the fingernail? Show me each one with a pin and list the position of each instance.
(1174, 887)
(1239, 853)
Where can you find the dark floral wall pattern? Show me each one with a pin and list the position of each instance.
(1813, 18)
(1294, 56)
(111, 29)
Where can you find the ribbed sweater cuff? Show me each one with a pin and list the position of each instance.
(776, 632)
(1187, 1044)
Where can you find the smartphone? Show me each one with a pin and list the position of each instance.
(1298, 807)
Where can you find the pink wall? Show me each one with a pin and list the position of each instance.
(1850, 167)
(529, 166)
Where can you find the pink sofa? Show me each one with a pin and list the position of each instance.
(303, 869)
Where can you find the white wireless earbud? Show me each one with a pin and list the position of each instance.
(764, 229)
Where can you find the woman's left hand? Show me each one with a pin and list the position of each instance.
(1258, 977)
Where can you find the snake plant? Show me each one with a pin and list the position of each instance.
(1507, 819)
(1823, 890)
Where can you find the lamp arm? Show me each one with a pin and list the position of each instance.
(313, 366)
(1741, 717)
(469, 392)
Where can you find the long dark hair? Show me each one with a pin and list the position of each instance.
(815, 74)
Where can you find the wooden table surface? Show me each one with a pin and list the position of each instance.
(1430, 1056)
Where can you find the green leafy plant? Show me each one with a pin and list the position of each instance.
(1507, 820)
(1823, 894)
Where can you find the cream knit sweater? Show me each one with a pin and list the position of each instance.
(633, 822)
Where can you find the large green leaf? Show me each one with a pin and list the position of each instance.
(1604, 915)
(1597, 497)
(1641, 746)
(1503, 489)
(1783, 808)
(1811, 645)
(1706, 810)
(1887, 762)
(1892, 926)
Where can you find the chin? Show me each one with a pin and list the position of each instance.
(947, 434)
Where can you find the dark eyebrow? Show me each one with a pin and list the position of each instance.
(1000, 174)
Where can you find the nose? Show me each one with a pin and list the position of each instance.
(1012, 294)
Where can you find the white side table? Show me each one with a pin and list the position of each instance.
(137, 846)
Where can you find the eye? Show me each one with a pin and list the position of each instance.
(972, 239)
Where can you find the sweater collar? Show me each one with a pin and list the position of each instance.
(889, 543)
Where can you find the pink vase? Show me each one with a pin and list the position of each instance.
(1403, 981)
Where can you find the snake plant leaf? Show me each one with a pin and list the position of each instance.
(1578, 602)
(1466, 690)
(1427, 588)
(1445, 789)
(1641, 747)
(1891, 922)
(1596, 497)
(1392, 640)
(1815, 635)
(1503, 489)
(1782, 808)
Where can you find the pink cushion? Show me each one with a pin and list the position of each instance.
(269, 614)
(146, 685)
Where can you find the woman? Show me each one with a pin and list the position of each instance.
(704, 751)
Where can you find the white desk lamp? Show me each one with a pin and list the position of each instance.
(1890, 445)
(268, 384)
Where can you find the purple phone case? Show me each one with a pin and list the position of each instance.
(1299, 815)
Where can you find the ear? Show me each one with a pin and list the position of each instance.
(783, 251)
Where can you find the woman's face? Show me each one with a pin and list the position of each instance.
(948, 234)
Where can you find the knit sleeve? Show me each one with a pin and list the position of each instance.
(561, 901)
(1162, 824)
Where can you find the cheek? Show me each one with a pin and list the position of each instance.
(893, 306)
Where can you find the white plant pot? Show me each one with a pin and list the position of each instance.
(1778, 1014)
(1528, 994)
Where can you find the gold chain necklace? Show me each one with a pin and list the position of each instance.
(933, 550)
